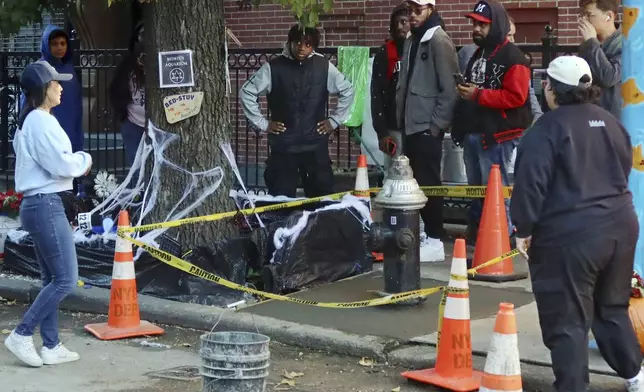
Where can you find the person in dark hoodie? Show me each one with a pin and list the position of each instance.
(495, 107)
(55, 48)
(384, 78)
(298, 84)
(577, 226)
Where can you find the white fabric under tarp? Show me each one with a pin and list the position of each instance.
(369, 136)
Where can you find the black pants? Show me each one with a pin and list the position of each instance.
(285, 170)
(584, 285)
(425, 152)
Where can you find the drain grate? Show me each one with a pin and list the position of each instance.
(181, 373)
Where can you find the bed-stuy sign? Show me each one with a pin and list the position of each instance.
(182, 106)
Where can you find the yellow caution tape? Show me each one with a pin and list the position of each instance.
(464, 191)
(440, 191)
(192, 269)
(231, 214)
(509, 255)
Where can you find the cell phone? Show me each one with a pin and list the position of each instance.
(391, 148)
(459, 79)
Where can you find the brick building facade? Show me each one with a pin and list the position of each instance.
(361, 22)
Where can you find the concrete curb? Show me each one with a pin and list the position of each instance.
(96, 300)
(395, 352)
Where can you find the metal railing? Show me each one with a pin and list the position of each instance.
(95, 69)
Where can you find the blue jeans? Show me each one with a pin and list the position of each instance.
(43, 216)
(131, 134)
(478, 163)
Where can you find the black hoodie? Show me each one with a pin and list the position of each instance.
(384, 78)
(501, 108)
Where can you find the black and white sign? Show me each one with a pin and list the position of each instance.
(175, 69)
(84, 221)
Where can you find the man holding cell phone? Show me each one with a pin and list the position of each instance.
(494, 109)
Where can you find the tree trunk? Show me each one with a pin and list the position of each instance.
(197, 25)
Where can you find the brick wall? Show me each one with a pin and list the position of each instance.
(362, 22)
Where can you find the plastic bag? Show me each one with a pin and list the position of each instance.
(228, 259)
(353, 62)
(330, 247)
(95, 261)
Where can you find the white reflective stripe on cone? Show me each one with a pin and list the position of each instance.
(123, 270)
(123, 246)
(459, 268)
(362, 179)
(503, 357)
(457, 308)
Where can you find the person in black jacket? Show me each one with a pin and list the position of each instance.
(298, 84)
(576, 222)
(495, 107)
(384, 78)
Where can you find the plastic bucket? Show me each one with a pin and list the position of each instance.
(234, 361)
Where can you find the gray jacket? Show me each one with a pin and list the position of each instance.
(429, 102)
(605, 62)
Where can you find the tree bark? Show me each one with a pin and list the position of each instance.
(197, 25)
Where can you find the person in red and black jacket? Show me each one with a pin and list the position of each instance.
(494, 109)
(384, 78)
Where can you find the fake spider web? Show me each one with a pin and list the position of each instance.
(197, 186)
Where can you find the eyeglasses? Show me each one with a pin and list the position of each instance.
(417, 10)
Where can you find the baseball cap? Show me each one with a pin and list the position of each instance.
(569, 70)
(482, 12)
(38, 74)
(423, 2)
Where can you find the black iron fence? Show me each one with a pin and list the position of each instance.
(102, 136)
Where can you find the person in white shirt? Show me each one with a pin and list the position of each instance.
(45, 166)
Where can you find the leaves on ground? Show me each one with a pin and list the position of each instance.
(397, 389)
(292, 375)
(5, 332)
(366, 362)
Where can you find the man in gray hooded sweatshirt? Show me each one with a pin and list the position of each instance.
(602, 50)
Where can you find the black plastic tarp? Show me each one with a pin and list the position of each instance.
(330, 247)
(228, 259)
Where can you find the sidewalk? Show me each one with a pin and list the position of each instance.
(401, 335)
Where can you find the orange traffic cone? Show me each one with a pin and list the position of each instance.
(493, 239)
(453, 369)
(361, 189)
(123, 320)
(502, 367)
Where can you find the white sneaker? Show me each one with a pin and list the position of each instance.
(23, 348)
(636, 384)
(57, 355)
(431, 250)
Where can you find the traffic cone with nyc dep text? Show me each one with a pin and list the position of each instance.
(123, 320)
(453, 369)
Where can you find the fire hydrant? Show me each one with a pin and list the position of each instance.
(398, 235)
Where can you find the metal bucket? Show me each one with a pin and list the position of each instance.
(452, 163)
(234, 361)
